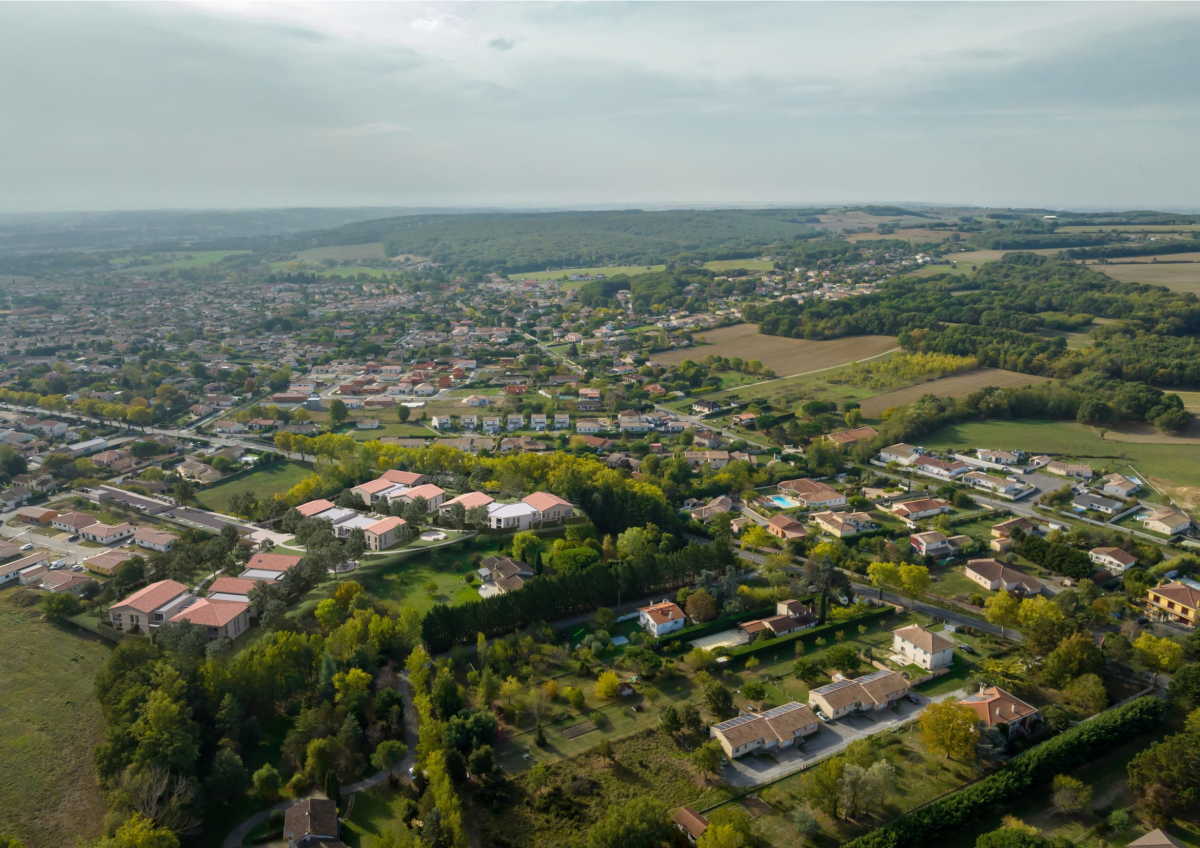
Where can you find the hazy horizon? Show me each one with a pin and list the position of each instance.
(218, 105)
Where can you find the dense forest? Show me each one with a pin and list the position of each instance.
(1152, 248)
(511, 243)
(1010, 294)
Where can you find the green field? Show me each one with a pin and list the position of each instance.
(600, 270)
(182, 260)
(263, 484)
(1174, 462)
(746, 264)
(48, 791)
(336, 271)
(417, 580)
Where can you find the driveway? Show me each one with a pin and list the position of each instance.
(831, 739)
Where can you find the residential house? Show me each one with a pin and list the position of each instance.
(150, 607)
(1118, 486)
(1009, 488)
(869, 693)
(1167, 520)
(1156, 838)
(72, 522)
(711, 458)
(36, 515)
(312, 509)
(999, 457)
(269, 567)
(844, 524)
(995, 706)
(717, 506)
(226, 588)
(813, 493)
(57, 582)
(373, 491)
(107, 534)
(1177, 602)
(921, 508)
(901, 453)
(588, 426)
(197, 471)
(781, 727)
(513, 516)
(842, 438)
(1002, 532)
(661, 618)
(501, 575)
(790, 617)
(384, 533)
(931, 543)
(312, 823)
(786, 527)
(690, 823)
(551, 509)
(228, 619)
(922, 647)
(153, 539)
(705, 407)
(943, 469)
(106, 563)
(1113, 559)
(538, 422)
(402, 478)
(433, 495)
(491, 424)
(13, 572)
(993, 575)
(562, 421)
(514, 421)
(1088, 502)
(468, 501)
(1070, 469)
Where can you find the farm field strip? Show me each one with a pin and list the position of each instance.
(782, 355)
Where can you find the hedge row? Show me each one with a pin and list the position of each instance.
(724, 622)
(761, 645)
(1068, 750)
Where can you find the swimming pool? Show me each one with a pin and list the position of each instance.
(783, 501)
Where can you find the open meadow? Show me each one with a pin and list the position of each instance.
(1178, 271)
(957, 385)
(263, 483)
(1169, 464)
(343, 252)
(782, 355)
(913, 235)
(48, 790)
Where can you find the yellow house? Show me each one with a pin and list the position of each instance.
(1176, 602)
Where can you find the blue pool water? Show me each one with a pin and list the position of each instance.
(783, 501)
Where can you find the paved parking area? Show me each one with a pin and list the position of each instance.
(832, 738)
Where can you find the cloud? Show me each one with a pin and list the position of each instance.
(222, 103)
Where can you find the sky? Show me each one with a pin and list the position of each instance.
(220, 104)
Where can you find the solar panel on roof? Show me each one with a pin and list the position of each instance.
(736, 722)
(783, 710)
(833, 687)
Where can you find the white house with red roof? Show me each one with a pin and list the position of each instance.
(403, 478)
(269, 567)
(551, 508)
(226, 588)
(661, 618)
(469, 500)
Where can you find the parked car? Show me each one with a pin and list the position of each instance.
(28, 546)
(74, 538)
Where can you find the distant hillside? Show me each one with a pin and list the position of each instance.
(515, 242)
(46, 232)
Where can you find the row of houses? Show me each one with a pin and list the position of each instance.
(224, 610)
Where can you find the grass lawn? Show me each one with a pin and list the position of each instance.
(921, 777)
(1174, 463)
(416, 580)
(745, 264)
(48, 791)
(370, 816)
(578, 791)
(263, 484)
(782, 355)
(182, 260)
